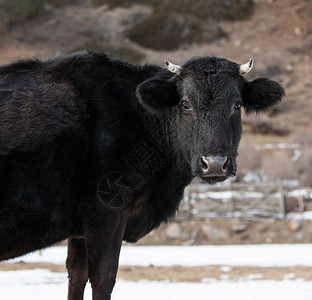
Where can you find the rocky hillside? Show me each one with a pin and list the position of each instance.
(277, 34)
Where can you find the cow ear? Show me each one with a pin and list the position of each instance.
(260, 94)
(157, 94)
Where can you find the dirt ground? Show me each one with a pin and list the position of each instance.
(230, 232)
(188, 274)
(222, 231)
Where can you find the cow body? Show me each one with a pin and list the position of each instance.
(99, 151)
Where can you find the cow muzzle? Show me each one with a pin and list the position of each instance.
(214, 167)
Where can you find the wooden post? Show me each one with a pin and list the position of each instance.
(283, 203)
(188, 193)
(232, 198)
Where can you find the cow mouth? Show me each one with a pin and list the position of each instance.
(214, 179)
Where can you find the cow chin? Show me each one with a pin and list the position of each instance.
(214, 179)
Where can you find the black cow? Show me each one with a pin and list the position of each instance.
(98, 151)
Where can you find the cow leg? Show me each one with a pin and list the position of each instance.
(77, 267)
(104, 237)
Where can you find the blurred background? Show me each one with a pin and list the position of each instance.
(270, 200)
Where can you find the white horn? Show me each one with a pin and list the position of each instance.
(245, 68)
(175, 69)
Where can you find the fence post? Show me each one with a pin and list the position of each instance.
(232, 198)
(188, 193)
(283, 203)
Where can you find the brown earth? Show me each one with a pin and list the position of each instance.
(278, 36)
(188, 274)
(232, 231)
(214, 232)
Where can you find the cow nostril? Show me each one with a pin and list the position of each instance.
(213, 166)
(204, 164)
(224, 165)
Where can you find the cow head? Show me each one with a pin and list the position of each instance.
(202, 99)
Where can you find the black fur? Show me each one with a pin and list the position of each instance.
(157, 94)
(99, 151)
(260, 94)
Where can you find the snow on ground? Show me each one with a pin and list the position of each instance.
(307, 215)
(235, 255)
(227, 195)
(43, 284)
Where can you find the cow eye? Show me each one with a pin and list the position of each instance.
(237, 105)
(186, 105)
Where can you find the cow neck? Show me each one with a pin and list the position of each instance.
(153, 130)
